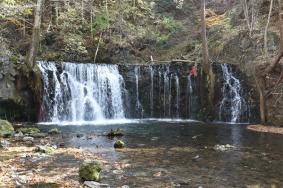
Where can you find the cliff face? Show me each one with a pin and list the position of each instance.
(16, 96)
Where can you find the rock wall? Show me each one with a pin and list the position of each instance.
(16, 97)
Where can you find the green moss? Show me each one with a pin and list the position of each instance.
(117, 132)
(90, 171)
(29, 131)
(119, 144)
(54, 131)
(45, 149)
(6, 128)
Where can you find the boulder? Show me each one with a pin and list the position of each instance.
(93, 184)
(117, 132)
(90, 171)
(119, 144)
(6, 128)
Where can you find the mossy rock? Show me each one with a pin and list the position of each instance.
(45, 149)
(29, 131)
(117, 132)
(90, 171)
(119, 144)
(6, 128)
(54, 131)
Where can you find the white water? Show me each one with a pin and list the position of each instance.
(177, 86)
(232, 100)
(151, 89)
(139, 107)
(82, 92)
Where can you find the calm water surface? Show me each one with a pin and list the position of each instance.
(181, 154)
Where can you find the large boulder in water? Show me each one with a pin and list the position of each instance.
(6, 128)
(90, 171)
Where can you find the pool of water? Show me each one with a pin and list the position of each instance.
(182, 154)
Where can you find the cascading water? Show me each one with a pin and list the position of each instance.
(151, 89)
(75, 92)
(81, 92)
(139, 107)
(166, 89)
(232, 105)
(177, 86)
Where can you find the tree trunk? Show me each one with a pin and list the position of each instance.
(204, 39)
(266, 29)
(35, 34)
(280, 24)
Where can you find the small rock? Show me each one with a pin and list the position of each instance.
(4, 144)
(28, 139)
(18, 136)
(93, 184)
(45, 149)
(125, 186)
(90, 171)
(79, 135)
(54, 131)
(119, 144)
(117, 132)
(223, 148)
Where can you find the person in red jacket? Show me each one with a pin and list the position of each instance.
(194, 71)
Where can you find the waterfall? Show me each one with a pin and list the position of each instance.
(151, 89)
(166, 88)
(139, 107)
(232, 105)
(177, 86)
(81, 92)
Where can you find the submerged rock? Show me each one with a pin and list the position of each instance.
(6, 128)
(54, 131)
(90, 171)
(117, 132)
(223, 148)
(93, 184)
(119, 144)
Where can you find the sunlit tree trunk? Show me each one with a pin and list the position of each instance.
(35, 34)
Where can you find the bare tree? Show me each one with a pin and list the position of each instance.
(204, 38)
(35, 34)
(250, 14)
(266, 29)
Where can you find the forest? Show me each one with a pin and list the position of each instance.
(141, 93)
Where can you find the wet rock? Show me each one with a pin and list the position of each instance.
(28, 139)
(29, 131)
(80, 135)
(4, 144)
(119, 144)
(6, 128)
(125, 186)
(45, 149)
(117, 132)
(18, 136)
(223, 148)
(39, 135)
(90, 171)
(54, 131)
(93, 184)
